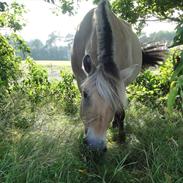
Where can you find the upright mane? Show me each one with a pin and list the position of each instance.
(105, 40)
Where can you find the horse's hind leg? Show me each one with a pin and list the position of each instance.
(119, 122)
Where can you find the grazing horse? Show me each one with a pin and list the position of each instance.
(106, 57)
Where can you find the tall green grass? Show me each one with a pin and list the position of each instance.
(51, 151)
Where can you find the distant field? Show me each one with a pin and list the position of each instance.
(54, 62)
(54, 67)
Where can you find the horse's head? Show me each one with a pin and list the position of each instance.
(103, 94)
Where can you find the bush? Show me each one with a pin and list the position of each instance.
(9, 64)
(152, 86)
(175, 98)
(24, 91)
(66, 92)
(14, 107)
(35, 82)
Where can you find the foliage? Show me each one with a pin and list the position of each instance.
(151, 87)
(66, 6)
(178, 39)
(25, 91)
(11, 16)
(14, 108)
(35, 82)
(9, 64)
(175, 97)
(137, 12)
(20, 45)
(67, 92)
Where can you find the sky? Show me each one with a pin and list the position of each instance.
(41, 21)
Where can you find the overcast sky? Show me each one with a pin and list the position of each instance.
(40, 20)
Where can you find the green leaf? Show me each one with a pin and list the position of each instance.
(172, 98)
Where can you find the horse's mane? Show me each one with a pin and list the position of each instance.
(105, 39)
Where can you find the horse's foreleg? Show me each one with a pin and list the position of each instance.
(119, 122)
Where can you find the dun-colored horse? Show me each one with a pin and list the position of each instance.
(106, 57)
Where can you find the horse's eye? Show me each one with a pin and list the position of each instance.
(85, 94)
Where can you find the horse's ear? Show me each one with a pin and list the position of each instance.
(129, 74)
(88, 65)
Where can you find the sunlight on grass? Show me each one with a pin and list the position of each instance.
(51, 151)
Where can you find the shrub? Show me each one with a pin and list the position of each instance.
(152, 86)
(14, 108)
(9, 64)
(175, 98)
(35, 82)
(66, 92)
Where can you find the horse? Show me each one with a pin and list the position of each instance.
(106, 57)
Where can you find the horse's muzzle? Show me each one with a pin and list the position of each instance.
(95, 145)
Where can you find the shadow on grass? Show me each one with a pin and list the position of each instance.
(152, 153)
(55, 153)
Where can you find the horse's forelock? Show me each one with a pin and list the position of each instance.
(109, 88)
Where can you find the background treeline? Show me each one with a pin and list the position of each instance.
(161, 36)
(52, 49)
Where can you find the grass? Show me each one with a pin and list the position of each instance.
(52, 151)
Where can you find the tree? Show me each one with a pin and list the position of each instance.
(36, 44)
(52, 39)
(48, 51)
(139, 11)
(66, 6)
(11, 16)
(161, 36)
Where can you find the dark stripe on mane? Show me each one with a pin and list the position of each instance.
(105, 42)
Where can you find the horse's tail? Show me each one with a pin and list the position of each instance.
(153, 54)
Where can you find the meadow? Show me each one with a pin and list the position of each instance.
(50, 150)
